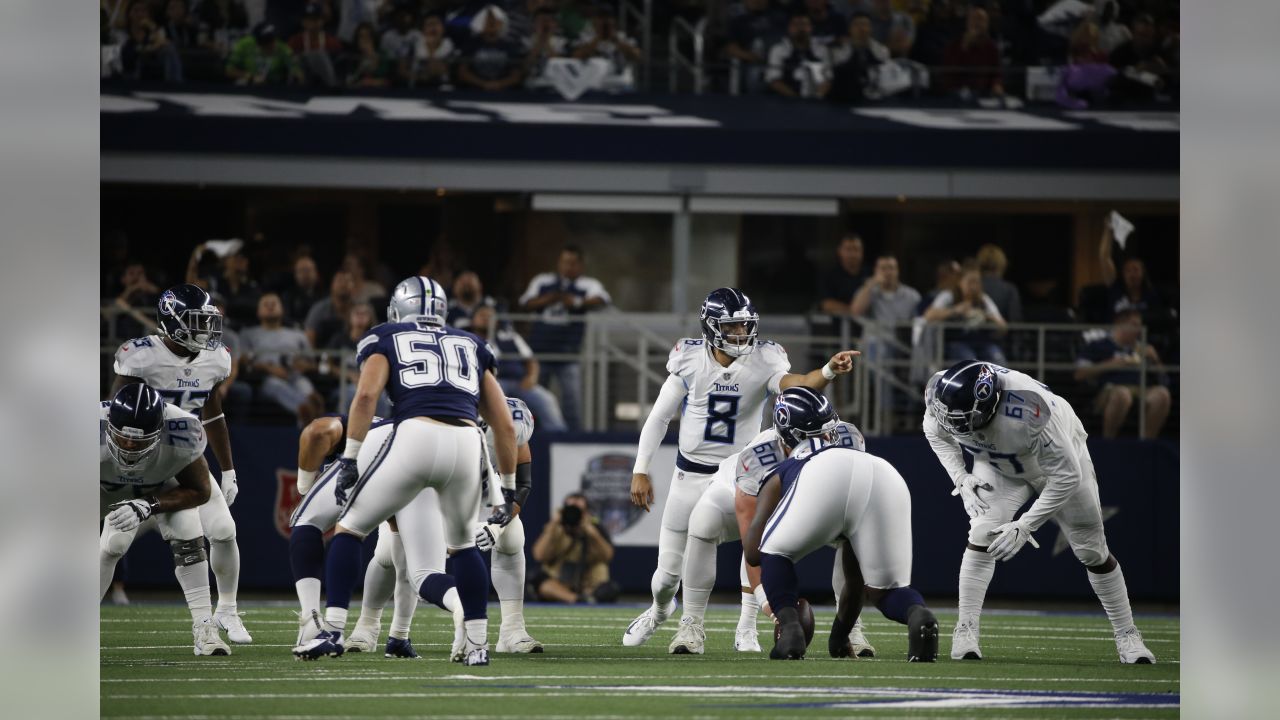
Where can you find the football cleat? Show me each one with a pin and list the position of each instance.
(458, 652)
(922, 635)
(475, 654)
(747, 640)
(1131, 649)
(207, 640)
(964, 641)
(643, 627)
(309, 626)
(363, 639)
(234, 626)
(517, 643)
(397, 648)
(327, 643)
(690, 639)
(858, 642)
(119, 596)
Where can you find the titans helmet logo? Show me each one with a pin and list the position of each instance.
(169, 304)
(985, 385)
(782, 416)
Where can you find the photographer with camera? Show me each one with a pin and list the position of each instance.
(575, 553)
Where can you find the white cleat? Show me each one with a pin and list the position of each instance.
(1131, 649)
(643, 627)
(363, 639)
(475, 654)
(234, 626)
(747, 640)
(517, 642)
(207, 640)
(458, 652)
(964, 641)
(691, 638)
(309, 627)
(858, 642)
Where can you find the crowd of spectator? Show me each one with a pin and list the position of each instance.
(495, 45)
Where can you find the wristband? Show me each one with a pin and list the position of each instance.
(228, 475)
(828, 373)
(153, 503)
(508, 481)
(219, 416)
(352, 449)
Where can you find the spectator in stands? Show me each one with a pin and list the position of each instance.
(220, 22)
(840, 283)
(522, 16)
(1087, 79)
(1111, 32)
(575, 553)
(542, 44)
(884, 18)
(751, 34)
(1143, 63)
(798, 67)
(854, 56)
(969, 305)
(563, 298)
(1085, 44)
(431, 64)
(491, 61)
(828, 25)
(329, 315)
(993, 262)
(237, 287)
(354, 13)
(885, 300)
(315, 49)
(261, 59)
(1114, 362)
(179, 27)
(977, 51)
(601, 39)
(1132, 289)
(518, 370)
(278, 356)
(147, 53)
(397, 42)
(465, 298)
(136, 301)
(184, 31)
(944, 26)
(303, 291)
(365, 65)
(365, 288)
(946, 276)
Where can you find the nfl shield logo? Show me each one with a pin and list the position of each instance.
(287, 499)
(186, 371)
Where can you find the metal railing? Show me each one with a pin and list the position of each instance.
(676, 60)
(642, 15)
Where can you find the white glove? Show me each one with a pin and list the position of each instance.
(1012, 536)
(487, 536)
(128, 514)
(229, 487)
(967, 489)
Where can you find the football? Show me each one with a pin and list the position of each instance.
(806, 621)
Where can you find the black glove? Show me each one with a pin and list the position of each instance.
(345, 479)
(505, 513)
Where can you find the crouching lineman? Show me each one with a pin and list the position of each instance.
(1025, 441)
(152, 471)
(822, 494)
(723, 514)
(321, 443)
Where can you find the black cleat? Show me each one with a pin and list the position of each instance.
(790, 644)
(922, 635)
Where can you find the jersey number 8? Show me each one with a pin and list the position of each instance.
(423, 355)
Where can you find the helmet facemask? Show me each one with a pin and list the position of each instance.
(130, 447)
(735, 336)
(962, 422)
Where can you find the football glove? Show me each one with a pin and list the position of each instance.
(503, 514)
(128, 514)
(487, 536)
(229, 488)
(967, 489)
(344, 478)
(1011, 536)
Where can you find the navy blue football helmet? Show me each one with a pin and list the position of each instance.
(965, 397)
(801, 413)
(187, 316)
(730, 306)
(134, 421)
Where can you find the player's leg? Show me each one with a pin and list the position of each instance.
(224, 560)
(705, 533)
(112, 545)
(1081, 520)
(379, 586)
(508, 574)
(315, 515)
(685, 490)
(746, 638)
(843, 568)
(459, 489)
(191, 567)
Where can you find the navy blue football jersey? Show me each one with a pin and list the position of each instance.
(435, 372)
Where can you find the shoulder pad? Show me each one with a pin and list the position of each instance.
(773, 353)
(755, 462)
(133, 354)
(1028, 406)
(851, 436)
(685, 351)
(522, 418)
(224, 362)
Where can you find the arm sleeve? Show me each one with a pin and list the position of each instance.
(947, 449)
(1056, 454)
(655, 427)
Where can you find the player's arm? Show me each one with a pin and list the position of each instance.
(192, 490)
(667, 405)
(766, 503)
(839, 364)
(524, 476)
(945, 448)
(1057, 458)
(318, 439)
(493, 408)
(373, 379)
(215, 426)
(744, 507)
(862, 299)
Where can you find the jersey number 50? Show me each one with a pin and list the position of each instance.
(423, 355)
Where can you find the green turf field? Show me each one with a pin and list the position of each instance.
(1036, 666)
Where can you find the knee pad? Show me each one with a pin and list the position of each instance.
(188, 552)
(1091, 555)
(383, 554)
(115, 544)
(511, 541)
(979, 530)
(705, 524)
(219, 527)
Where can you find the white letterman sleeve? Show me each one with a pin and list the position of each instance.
(947, 449)
(655, 426)
(1057, 457)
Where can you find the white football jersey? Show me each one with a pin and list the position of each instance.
(1033, 429)
(185, 382)
(182, 440)
(724, 406)
(748, 468)
(523, 420)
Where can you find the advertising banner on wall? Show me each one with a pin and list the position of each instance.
(602, 472)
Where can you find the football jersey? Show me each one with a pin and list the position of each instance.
(1031, 430)
(185, 382)
(723, 406)
(748, 469)
(182, 440)
(435, 371)
(523, 420)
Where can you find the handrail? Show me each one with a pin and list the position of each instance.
(676, 60)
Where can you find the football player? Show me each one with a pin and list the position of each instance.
(441, 381)
(826, 493)
(1026, 442)
(319, 446)
(716, 383)
(723, 514)
(187, 363)
(153, 473)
